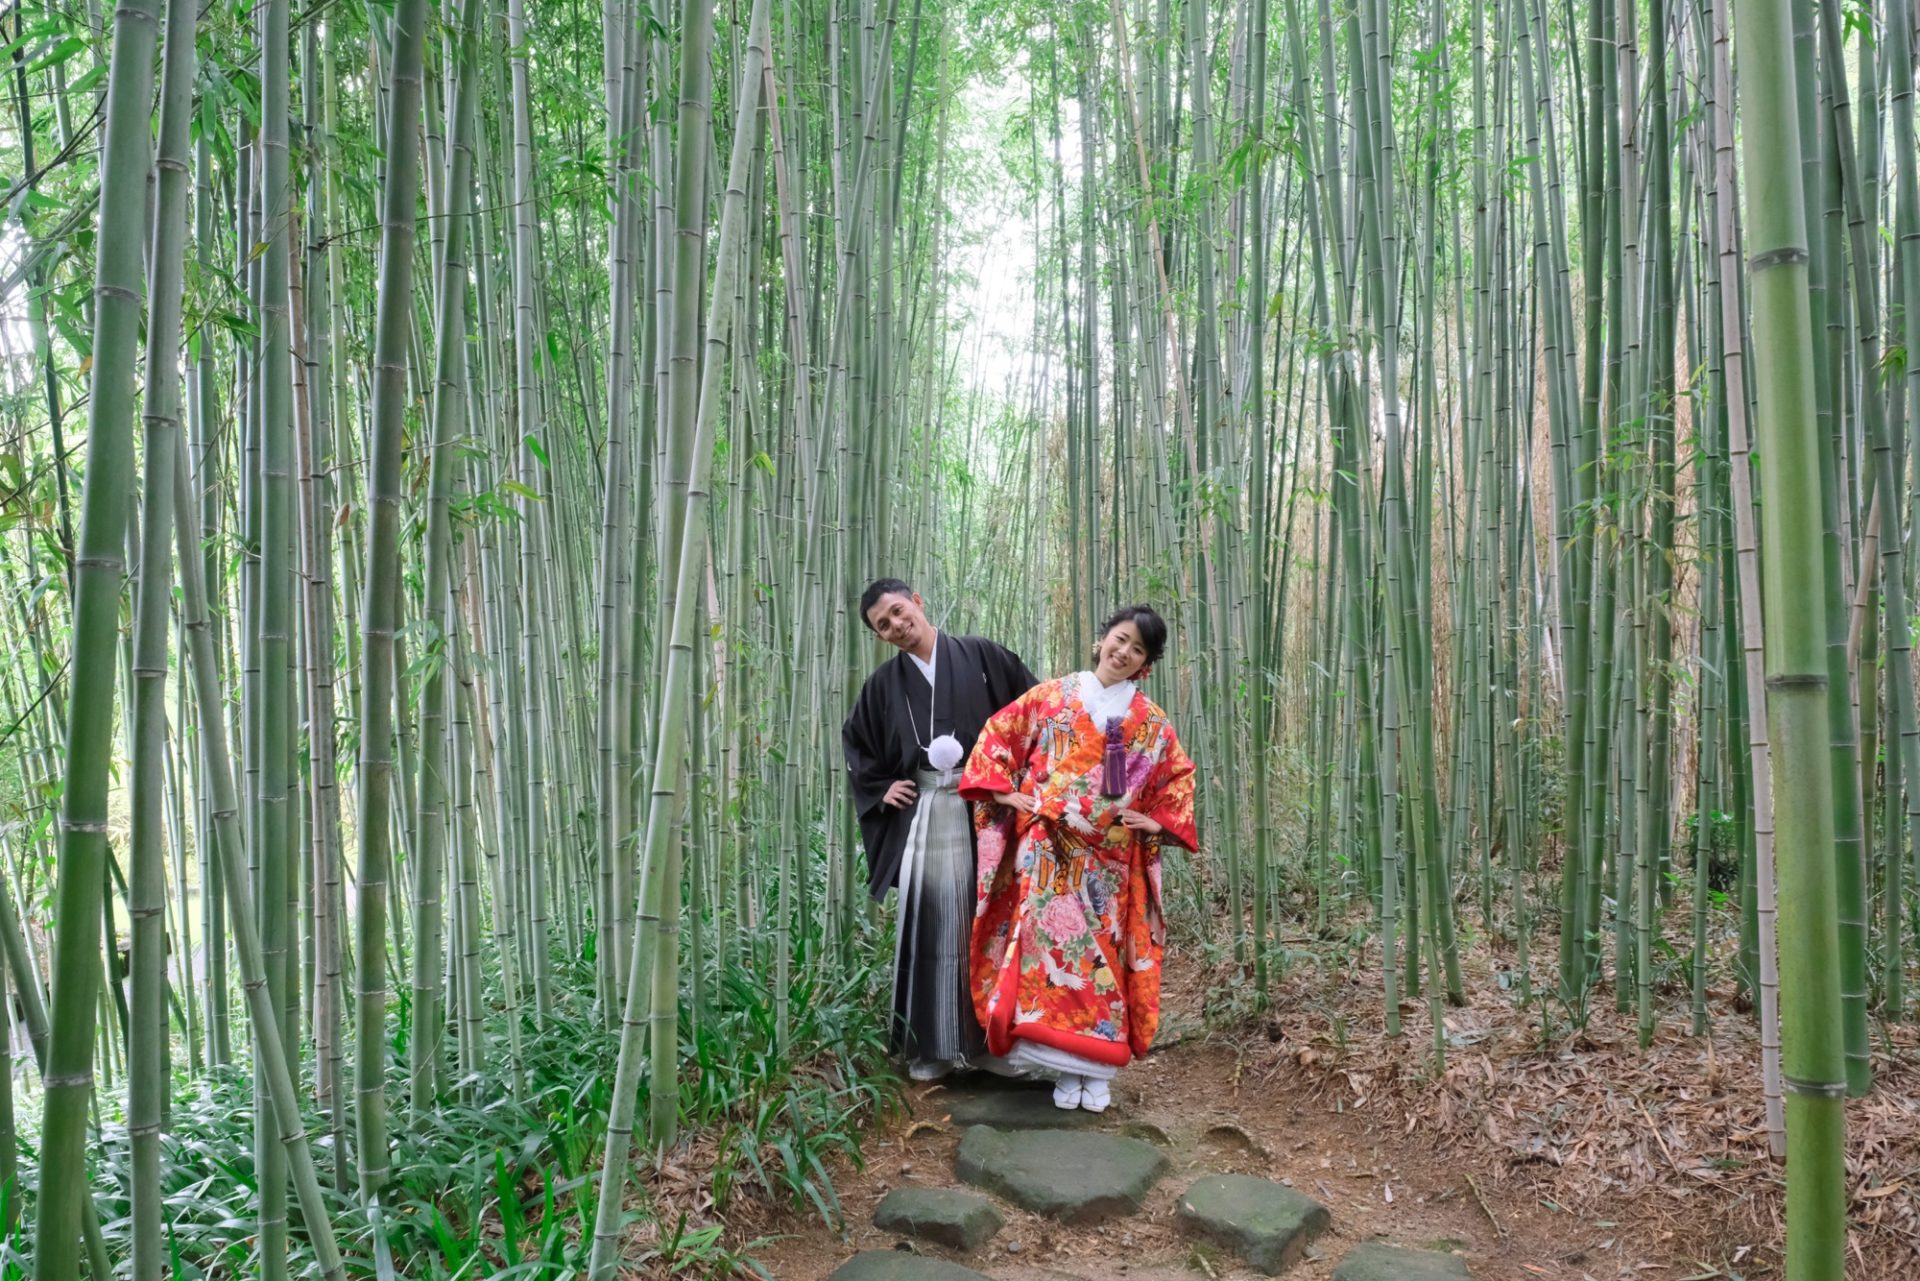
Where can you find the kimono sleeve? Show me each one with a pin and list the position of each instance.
(1169, 796)
(1000, 753)
(863, 739)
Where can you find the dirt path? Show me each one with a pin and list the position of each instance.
(1195, 1103)
(1572, 1157)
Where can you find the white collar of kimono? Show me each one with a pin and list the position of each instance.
(1105, 703)
(927, 666)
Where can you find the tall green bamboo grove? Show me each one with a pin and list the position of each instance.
(398, 410)
(528, 391)
(1565, 474)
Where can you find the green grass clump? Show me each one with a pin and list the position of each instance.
(494, 1181)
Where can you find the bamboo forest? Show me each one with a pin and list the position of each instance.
(442, 450)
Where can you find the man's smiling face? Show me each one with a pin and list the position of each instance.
(898, 619)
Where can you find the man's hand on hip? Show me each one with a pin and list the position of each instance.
(901, 795)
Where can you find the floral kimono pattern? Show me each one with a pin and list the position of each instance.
(1068, 932)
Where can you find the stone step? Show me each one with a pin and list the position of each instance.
(1375, 1261)
(957, 1219)
(1074, 1176)
(1094, 1270)
(1263, 1222)
(1017, 1109)
(898, 1265)
(1260, 1220)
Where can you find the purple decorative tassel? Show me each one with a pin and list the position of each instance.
(1114, 771)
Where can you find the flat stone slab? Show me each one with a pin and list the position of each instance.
(898, 1265)
(1264, 1223)
(1023, 1109)
(1073, 1176)
(945, 1216)
(1372, 1261)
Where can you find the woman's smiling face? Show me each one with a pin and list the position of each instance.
(1122, 653)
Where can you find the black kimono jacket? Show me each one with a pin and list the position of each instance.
(974, 678)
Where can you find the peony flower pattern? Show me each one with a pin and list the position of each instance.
(1063, 919)
(991, 846)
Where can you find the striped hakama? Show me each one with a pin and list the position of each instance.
(933, 1016)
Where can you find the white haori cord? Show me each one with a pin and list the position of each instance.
(944, 752)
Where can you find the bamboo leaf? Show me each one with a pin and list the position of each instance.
(60, 53)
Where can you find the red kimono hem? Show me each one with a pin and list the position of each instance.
(1112, 1053)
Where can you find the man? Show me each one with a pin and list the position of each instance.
(906, 741)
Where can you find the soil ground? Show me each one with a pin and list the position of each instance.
(1379, 1180)
(1579, 1157)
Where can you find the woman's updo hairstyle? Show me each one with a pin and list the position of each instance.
(1153, 630)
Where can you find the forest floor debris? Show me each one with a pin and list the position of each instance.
(1575, 1155)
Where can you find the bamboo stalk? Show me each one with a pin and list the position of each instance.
(118, 287)
(378, 621)
(1810, 1007)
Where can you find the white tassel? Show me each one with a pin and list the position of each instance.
(944, 752)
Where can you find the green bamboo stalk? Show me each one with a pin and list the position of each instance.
(316, 391)
(447, 426)
(1658, 390)
(378, 612)
(118, 288)
(529, 747)
(1582, 855)
(1900, 55)
(1710, 414)
(1752, 690)
(148, 1079)
(617, 543)
(229, 844)
(180, 929)
(468, 911)
(272, 650)
(1887, 472)
(1810, 991)
(9, 1135)
(677, 345)
(202, 417)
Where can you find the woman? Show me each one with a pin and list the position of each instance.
(1089, 780)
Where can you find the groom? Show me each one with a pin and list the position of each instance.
(906, 742)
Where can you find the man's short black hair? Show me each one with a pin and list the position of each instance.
(1153, 628)
(875, 590)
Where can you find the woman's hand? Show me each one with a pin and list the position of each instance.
(1019, 801)
(1138, 822)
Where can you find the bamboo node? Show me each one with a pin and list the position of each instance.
(1815, 1089)
(1781, 257)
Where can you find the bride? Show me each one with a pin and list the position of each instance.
(1089, 780)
